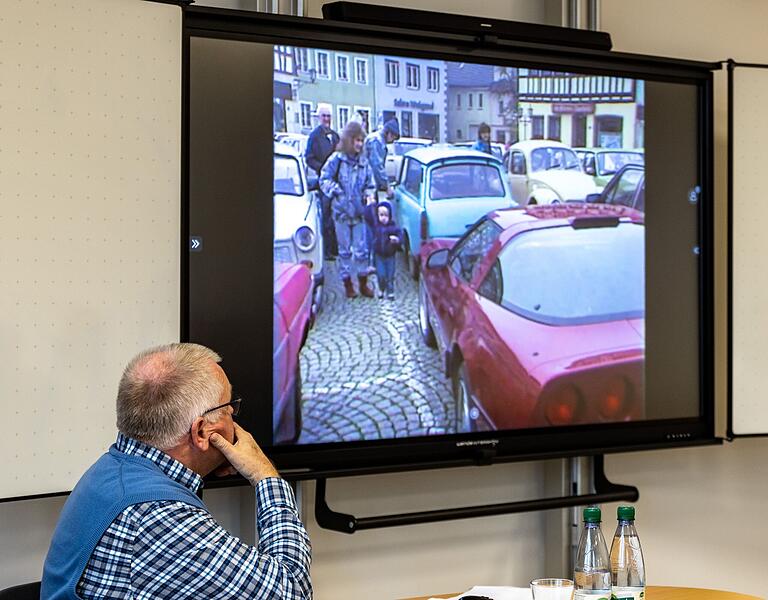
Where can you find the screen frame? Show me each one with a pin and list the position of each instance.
(351, 458)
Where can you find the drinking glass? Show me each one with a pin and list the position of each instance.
(552, 589)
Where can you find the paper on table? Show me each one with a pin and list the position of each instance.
(496, 593)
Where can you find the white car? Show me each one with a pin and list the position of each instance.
(546, 172)
(298, 226)
(296, 140)
(396, 150)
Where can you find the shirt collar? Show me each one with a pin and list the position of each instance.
(170, 466)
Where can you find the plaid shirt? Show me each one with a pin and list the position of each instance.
(169, 549)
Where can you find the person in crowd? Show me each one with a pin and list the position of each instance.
(134, 526)
(347, 179)
(483, 143)
(387, 238)
(361, 117)
(376, 152)
(320, 145)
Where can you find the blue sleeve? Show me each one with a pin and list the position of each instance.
(377, 156)
(370, 186)
(328, 174)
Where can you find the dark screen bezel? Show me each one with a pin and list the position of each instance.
(309, 461)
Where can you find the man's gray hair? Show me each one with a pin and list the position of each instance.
(164, 389)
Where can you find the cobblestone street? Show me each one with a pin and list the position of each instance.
(366, 373)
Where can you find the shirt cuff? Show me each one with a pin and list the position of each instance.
(274, 492)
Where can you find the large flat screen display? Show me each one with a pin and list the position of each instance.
(474, 237)
(460, 248)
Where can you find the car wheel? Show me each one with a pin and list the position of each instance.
(464, 404)
(297, 417)
(427, 333)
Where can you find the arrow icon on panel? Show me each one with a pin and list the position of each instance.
(195, 244)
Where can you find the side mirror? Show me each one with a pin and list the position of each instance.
(593, 198)
(438, 259)
(313, 181)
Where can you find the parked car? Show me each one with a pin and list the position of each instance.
(626, 188)
(298, 141)
(396, 150)
(442, 191)
(297, 227)
(603, 163)
(546, 172)
(496, 148)
(539, 316)
(291, 318)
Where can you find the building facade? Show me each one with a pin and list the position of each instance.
(344, 80)
(475, 97)
(580, 110)
(413, 90)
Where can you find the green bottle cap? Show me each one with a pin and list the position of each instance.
(626, 513)
(592, 514)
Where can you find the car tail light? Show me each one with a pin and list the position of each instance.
(563, 406)
(424, 226)
(615, 398)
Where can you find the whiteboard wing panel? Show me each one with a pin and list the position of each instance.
(90, 129)
(749, 260)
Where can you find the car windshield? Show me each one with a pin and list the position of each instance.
(567, 276)
(610, 162)
(287, 176)
(403, 147)
(466, 180)
(544, 159)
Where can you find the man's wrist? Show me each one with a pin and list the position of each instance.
(273, 492)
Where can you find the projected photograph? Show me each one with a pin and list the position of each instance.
(457, 247)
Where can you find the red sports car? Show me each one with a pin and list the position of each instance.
(539, 314)
(291, 314)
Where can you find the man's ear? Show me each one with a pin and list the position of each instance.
(199, 432)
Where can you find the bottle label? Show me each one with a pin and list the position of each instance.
(628, 593)
(592, 595)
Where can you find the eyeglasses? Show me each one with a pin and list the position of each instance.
(234, 403)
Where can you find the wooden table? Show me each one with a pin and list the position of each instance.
(660, 592)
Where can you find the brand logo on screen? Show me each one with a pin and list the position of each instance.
(477, 443)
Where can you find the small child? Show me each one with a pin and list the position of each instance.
(386, 241)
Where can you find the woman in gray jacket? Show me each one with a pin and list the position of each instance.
(347, 179)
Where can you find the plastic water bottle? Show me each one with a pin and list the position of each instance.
(627, 567)
(592, 575)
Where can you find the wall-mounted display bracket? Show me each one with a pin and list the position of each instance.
(605, 491)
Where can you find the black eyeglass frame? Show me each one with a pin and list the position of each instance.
(234, 403)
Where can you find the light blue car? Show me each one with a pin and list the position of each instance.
(441, 191)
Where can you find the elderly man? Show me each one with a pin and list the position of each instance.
(321, 143)
(134, 527)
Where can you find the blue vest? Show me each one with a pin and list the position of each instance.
(114, 482)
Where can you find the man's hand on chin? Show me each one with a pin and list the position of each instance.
(244, 456)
